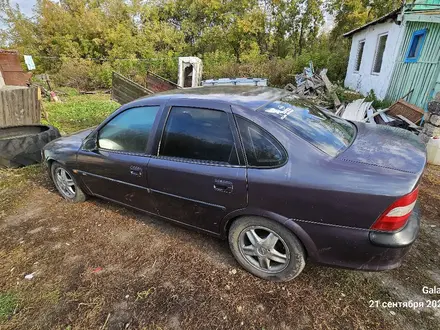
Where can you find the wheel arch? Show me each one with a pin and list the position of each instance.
(292, 225)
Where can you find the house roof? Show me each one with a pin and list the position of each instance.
(11, 70)
(392, 15)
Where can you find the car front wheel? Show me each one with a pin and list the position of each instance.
(266, 248)
(66, 184)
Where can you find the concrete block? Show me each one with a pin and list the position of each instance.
(424, 138)
(434, 119)
(431, 130)
(434, 107)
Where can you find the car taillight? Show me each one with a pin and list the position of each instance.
(396, 215)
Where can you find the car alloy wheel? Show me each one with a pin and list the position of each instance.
(65, 183)
(264, 249)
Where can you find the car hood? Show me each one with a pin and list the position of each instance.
(72, 142)
(387, 147)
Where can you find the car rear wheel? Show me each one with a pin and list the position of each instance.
(66, 184)
(266, 248)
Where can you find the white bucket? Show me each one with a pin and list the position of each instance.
(433, 150)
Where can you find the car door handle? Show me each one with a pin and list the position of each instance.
(136, 171)
(223, 186)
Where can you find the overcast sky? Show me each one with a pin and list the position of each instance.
(25, 5)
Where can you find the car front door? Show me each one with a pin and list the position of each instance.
(116, 167)
(198, 175)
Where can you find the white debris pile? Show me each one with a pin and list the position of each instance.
(362, 111)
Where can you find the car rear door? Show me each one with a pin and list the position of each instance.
(198, 175)
(116, 169)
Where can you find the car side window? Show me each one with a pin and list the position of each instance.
(262, 150)
(128, 131)
(198, 134)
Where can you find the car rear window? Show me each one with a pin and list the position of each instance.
(328, 133)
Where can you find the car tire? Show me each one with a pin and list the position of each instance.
(21, 145)
(253, 240)
(66, 183)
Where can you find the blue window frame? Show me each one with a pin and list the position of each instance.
(415, 46)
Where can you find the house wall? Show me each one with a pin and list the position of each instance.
(424, 75)
(364, 81)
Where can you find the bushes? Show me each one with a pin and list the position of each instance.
(83, 74)
(87, 74)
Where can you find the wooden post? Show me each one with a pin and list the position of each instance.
(19, 106)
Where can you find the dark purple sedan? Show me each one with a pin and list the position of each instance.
(283, 181)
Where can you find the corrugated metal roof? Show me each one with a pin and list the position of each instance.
(424, 5)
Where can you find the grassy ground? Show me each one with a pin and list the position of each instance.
(79, 111)
(97, 265)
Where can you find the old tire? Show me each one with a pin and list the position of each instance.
(253, 240)
(21, 145)
(66, 183)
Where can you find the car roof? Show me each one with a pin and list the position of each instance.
(252, 97)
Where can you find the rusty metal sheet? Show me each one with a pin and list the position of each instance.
(11, 69)
(16, 78)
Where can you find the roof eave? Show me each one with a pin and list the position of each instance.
(392, 15)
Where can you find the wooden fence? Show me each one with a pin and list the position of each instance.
(19, 106)
(125, 90)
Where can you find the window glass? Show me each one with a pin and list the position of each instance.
(415, 46)
(328, 133)
(199, 134)
(360, 53)
(380, 50)
(261, 148)
(129, 130)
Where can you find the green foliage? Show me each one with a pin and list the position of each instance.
(350, 14)
(8, 302)
(79, 112)
(377, 104)
(80, 42)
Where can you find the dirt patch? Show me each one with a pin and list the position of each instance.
(97, 264)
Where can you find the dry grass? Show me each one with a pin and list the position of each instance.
(100, 265)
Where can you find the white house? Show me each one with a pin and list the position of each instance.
(373, 52)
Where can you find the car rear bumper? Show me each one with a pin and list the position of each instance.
(361, 249)
(402, 238)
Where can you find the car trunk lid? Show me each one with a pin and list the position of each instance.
(386, 147)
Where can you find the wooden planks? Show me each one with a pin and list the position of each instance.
(408, 110)
(159, 84)
(19, 106)
(124, 90)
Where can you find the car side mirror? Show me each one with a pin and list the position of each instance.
(91, 142)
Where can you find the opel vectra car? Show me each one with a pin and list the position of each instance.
(283, 181)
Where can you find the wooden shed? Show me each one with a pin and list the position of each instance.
(19, 104)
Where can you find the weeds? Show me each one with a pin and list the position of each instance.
(377, 104)
(8, 303)
(78, 112)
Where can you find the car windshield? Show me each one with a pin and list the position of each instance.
(328, 133)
